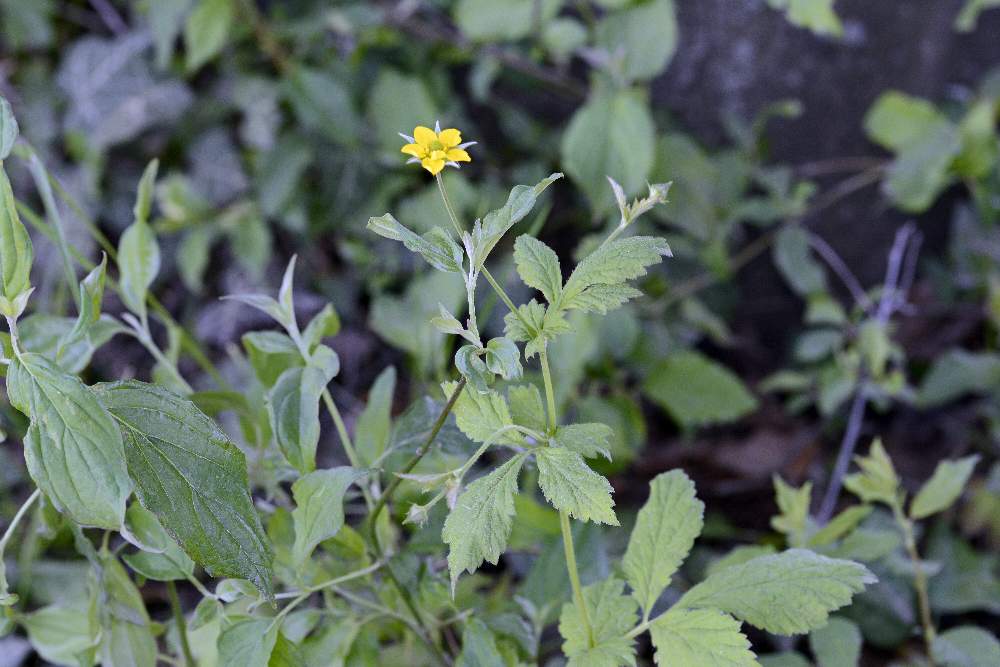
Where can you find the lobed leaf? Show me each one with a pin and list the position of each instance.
(700, 638)
(571, 486)
(538, 266)
(612, 614)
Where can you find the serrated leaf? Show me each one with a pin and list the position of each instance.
(286, 653)
(293, 407)
(612, 614)
(478, 527)
(16, 251)
(793, 505)
(526, 408)
(587, 440)
(535, 325)
(697, 391)
(943, 488)
(436, 246)
(571, 486)
(73, 449)
(788, 593)
(375, 421)
(482, 416)
(538, 266)
(596, 282)
(897, 120)
(700, 638)
(319, 508)
(877, 481)
(248, 642)
(188, 473)
(836, 644)
(665, 530)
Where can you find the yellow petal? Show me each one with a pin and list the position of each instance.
(416, 150)
(433, 166)
(425, 136)
(438, 155)
(458, 155)
(450, 138)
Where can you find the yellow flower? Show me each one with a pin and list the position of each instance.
(434, 149)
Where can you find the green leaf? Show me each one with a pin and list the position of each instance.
(91, 296)
(270, 354)
(535, 325)
(816, 15)
(840, 525)
(326, 323)
(877, 481)
(194, 479)
(958, 372)
(323, 104)
(538, 266)
(836, 644)
(612, 614)
(611, 135)
(389, 117)
(921, 172)
(206, 31)
(375, 421)
(64, 635)
(571, 486)
(138, 263)
(793, 504)
(8, 128)
(436, 246)
(503, 358)
(478, 527)
(73, 449)
(640, 40)
(248, 642)
(495, 224)
(794, 259)
(482, 416)
(286, 653)
(319, 508)
(697, 391)
(943, 488)
(479, 646)
(665, 531)
(160, 558)
(897, 120)
(293, 407)
(16, 251)
(526, 407)
(127, 637)
(587, 440)
(788, 593)
(166, 19)
(699, 637)
(597, 282)
(966, 646)
(144, 195)
(484, 20)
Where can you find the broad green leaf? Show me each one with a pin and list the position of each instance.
(478, 527)
(612, 614)
(436, 246)
(319, 508)
(73, 449)
(293, 406)
(484, 20)
(270, 354)
(697, 391)
(64, 635)
(470, 363)
(897, 120)
(738, 556)
(127, 637)
(138, 262)
(788, 593)
(597, 284)
(248, 642)
(375, 421)
(526, 407)
(479, 646)
(639, 40)
(538, 266)
(943, 488)
(836, 644)
(188, 473)
(503, 358)
(571, 486)
(794, 259)
(587, 440)
(8, 128)
(966, 646)
(286, 653)
(496, 223)
(958, 372)
(877, 481)
(611, 135)
(160, 558)
(665, 531)
(16, 251)
(920, 172)
(793, 505)
(700, 637)
(482, 416)
(206, 31)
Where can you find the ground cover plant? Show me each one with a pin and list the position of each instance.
(251, 417)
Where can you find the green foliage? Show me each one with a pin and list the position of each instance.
(696, 391)
(690, 637)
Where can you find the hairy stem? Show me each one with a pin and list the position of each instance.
(175, 606)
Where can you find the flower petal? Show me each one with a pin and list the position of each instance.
(416, 150)
(433, 166)
(450, 138)
(424, 135)
(458, 155)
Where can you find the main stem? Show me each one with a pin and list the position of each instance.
(567, 533)
(17, 519)
(919, 581)
(175, 605)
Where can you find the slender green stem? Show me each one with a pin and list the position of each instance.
(17, 519)
(175, 605)
(550, 396)
(304, 594)
(498, 288)
(919, 580)
(447, 205)
(147, 341)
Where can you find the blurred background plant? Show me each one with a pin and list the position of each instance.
(798, 316)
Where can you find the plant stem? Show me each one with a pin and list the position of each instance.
(17, 519)
(175, 605)
(447, 205)
(567, 533)
(919, 580)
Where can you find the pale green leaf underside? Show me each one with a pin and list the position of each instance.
(700, 638)
(570, 485)
(612, 614)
